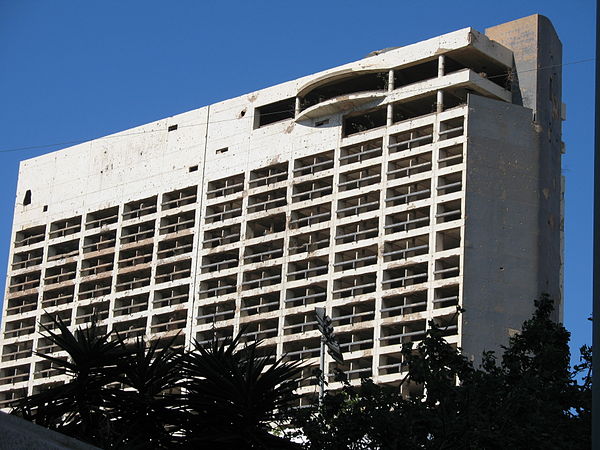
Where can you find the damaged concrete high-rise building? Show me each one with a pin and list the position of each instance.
(389, 191)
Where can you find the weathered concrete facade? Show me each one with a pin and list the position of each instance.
(388, 190)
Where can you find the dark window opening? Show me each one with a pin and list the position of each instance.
(416, 73)
(451, 65)
(275, 112)
(414, 108)
(193, 168)
(222, 150)
(172, 127)
(481, 64)
(364, 122)
(27, 199)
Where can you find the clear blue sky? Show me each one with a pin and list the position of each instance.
(73, 70)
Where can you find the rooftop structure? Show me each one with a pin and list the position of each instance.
(389, 191)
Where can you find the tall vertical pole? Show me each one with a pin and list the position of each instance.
(322, 369)
(596, 270)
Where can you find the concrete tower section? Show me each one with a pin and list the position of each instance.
(513, 203)
(389, 191)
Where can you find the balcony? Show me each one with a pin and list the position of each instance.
(30, 236)
(179, 198)
(139, 208)
(102, 218)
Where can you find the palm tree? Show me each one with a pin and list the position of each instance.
(147, 411)
(79, 407)
(235, 396)
(140, 395)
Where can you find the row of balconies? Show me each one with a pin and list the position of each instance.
(393, 331)
(99, 286)
(309, 165)
(172, 321)
(396, 274)
(352, 312)
(103, 241)
(353, 258)
(103, 218)
(402, 194)
(358, 339)
(100, 264)
(346, 207)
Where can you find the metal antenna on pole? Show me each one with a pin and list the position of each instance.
(327, 339)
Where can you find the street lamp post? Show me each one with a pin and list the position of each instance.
(327, 340)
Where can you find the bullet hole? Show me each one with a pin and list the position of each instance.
(242, 113)
(502, 268)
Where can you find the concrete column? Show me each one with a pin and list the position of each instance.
(439, 105)
(441, 65)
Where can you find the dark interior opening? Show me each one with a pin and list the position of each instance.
(416, 73)
(366, 121)
(480, 63)
(275, 112)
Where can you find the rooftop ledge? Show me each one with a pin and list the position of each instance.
(466, 38)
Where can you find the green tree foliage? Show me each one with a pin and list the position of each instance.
(530, 398)
(148, 411)
(79, 407)
(140, 395)
(238, 396)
